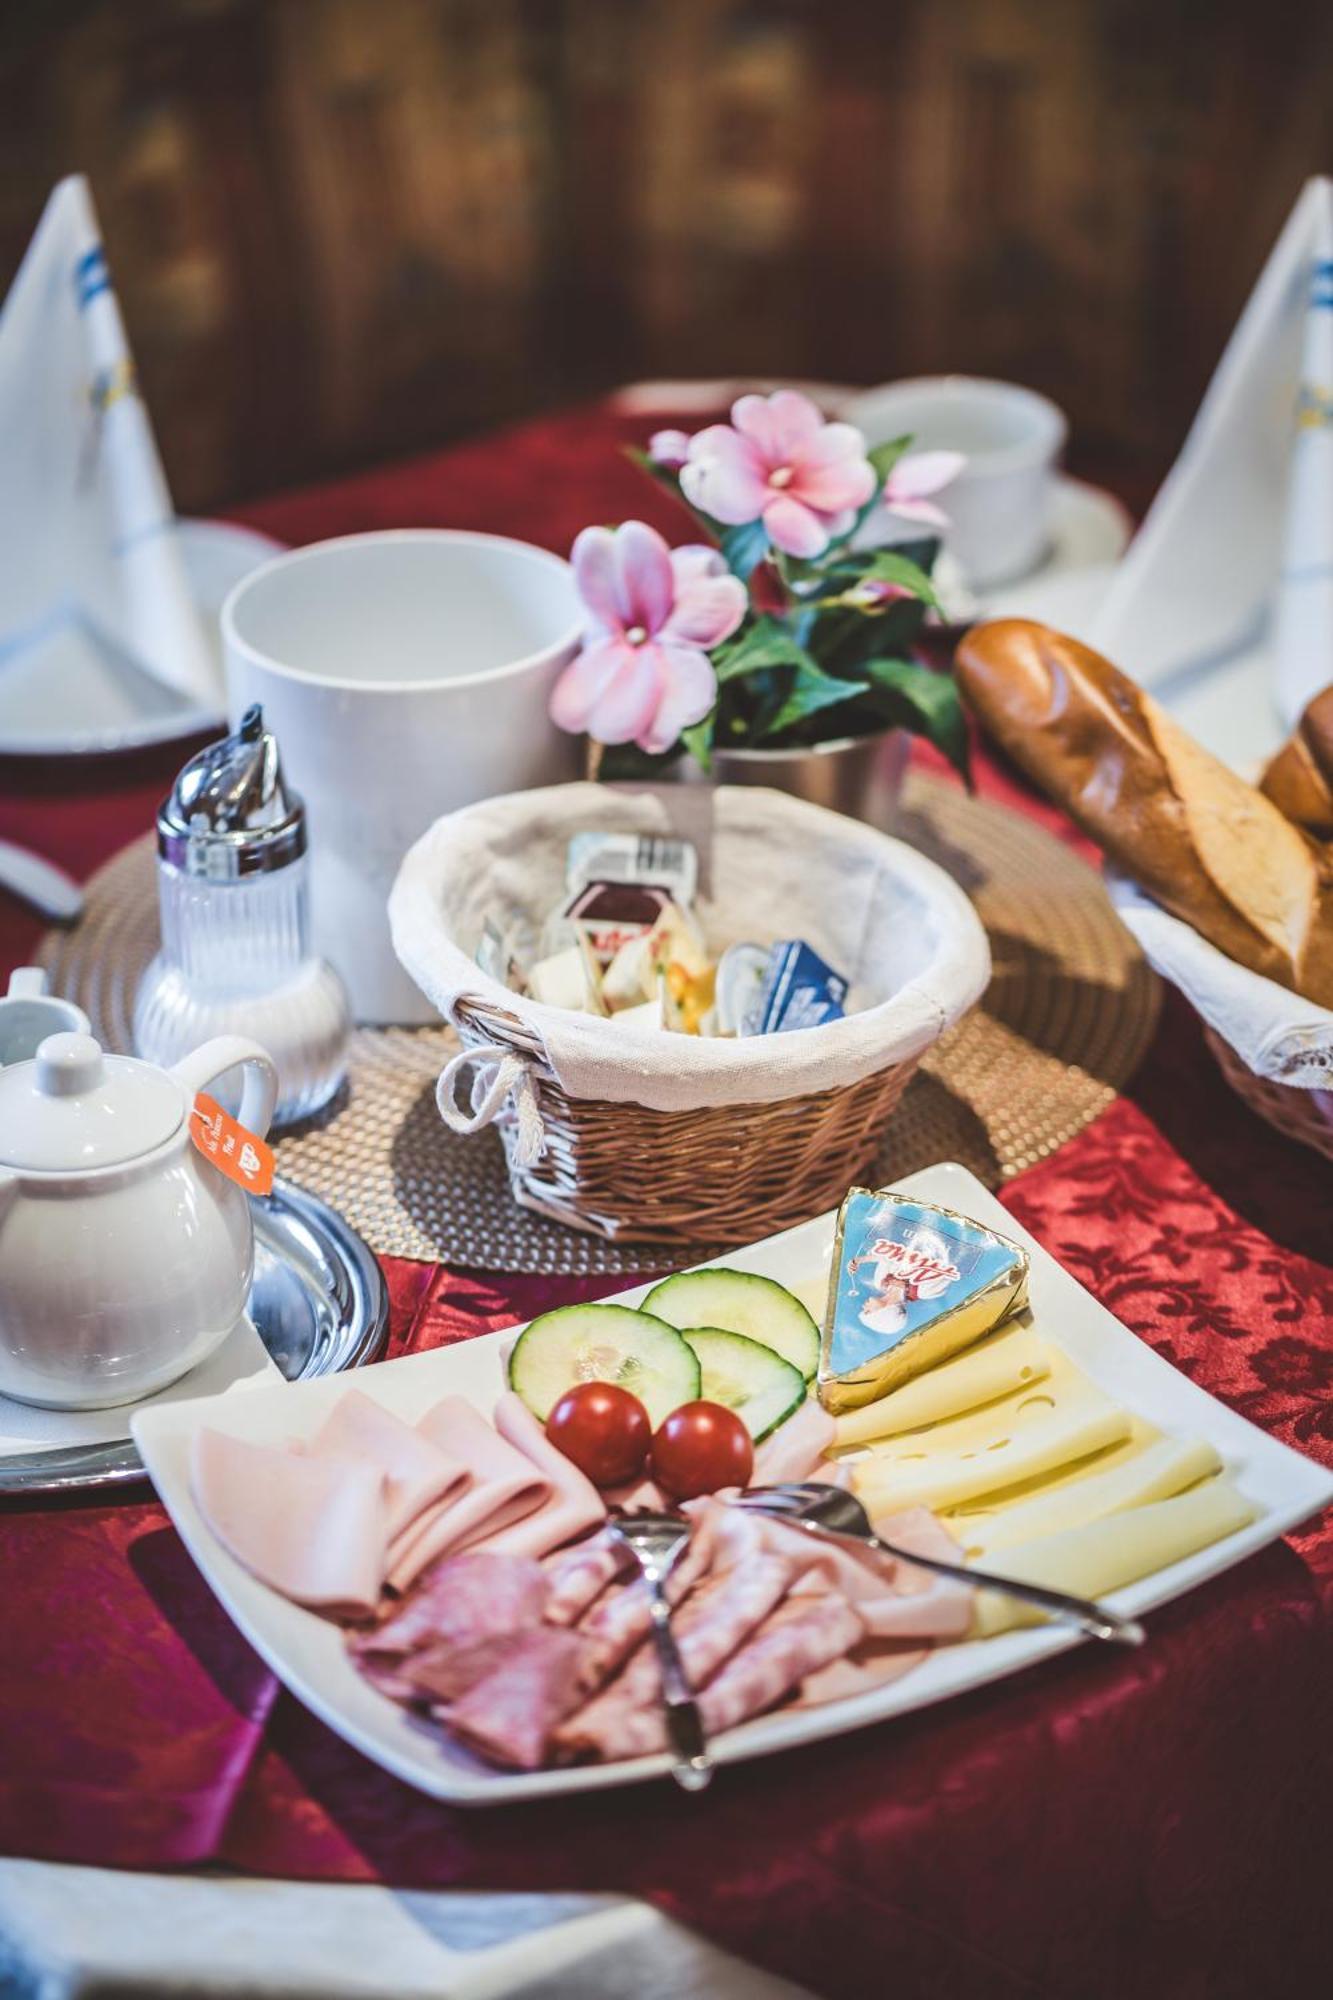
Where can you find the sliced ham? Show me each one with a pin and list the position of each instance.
(711, 1625)
(893, 1601)
(416, 1471)
(313, 1528)
(871, 1664)
(443, 1674)
(795, 1449)
(571, 1504)
(461, 1600)
(504, 1486)
(795, 1642)
(509, 1715)
(578, 1576)
(798, 1639)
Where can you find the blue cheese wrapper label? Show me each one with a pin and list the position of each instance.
(911, 1283)
(799, 991)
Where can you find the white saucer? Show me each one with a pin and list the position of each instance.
(241, 1359)
(72, 697)
(1090, 531)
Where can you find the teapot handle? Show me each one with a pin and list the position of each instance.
(259, 1092)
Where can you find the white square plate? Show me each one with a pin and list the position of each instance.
(308, 1654)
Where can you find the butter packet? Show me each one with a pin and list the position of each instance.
(910, 1284)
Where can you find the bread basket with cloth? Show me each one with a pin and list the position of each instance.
(1227, 887)
(647, 1135)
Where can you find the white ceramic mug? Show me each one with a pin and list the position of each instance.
(29, 1013)
(404, 674)
(1000, 505)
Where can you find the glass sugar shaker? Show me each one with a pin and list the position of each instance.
(233, 894)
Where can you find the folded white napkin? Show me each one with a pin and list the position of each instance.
(87, 531)
(1235, 555)
(1275, 1033)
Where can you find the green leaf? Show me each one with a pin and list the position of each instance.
(698, 740)
(811, 690)
(881, 566)
(919, 698)
(743, 547)
(765, 642)
(885, 456)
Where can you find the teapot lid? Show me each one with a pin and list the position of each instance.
(75, 1108)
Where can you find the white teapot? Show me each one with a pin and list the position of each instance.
(125, 1255)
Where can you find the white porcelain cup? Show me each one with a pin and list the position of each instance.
(404, 674)
(28, 1014)
(1000, 505)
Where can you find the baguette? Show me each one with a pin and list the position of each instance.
(1211, 849)
(1299, 780)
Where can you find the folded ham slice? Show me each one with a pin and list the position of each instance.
(795, 1449)
(893, 1601)
(416, 1471)
(504, 1485)
(571, 1504)
(314, 1528)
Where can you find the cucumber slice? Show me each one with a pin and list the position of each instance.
(603, 1344)
(748, 1377)
(741, 1302)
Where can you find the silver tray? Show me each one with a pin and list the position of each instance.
(318, 1302)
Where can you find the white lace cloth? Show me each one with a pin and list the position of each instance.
(1275, 1033)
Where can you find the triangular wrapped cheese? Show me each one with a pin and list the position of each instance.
(910, 1284)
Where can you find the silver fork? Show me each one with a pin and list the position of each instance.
(830, 1510)
(657, 1542)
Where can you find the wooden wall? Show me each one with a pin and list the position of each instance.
(344, 229)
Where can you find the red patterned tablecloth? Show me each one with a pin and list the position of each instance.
(1098, 1826)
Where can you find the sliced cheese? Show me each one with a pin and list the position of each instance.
(1010, 1444)
(1105, 1555)
(998, 1366)
(1138, 1477)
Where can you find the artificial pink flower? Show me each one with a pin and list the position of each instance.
(644, 674)
(669, 448)
(916, 475)
(782, 464)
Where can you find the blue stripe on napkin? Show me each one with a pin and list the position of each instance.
(91, 276)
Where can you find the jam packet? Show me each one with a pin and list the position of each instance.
(911, 1283)
(633, 857)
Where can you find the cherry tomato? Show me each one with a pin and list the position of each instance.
(700, 1448)
(603, 1430)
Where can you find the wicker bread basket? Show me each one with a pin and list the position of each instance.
(1274, 1048)
(652, 1137)
(1304, 1115)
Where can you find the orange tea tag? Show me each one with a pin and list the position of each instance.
(242, 1156)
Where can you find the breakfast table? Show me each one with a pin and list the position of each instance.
(1100, 1824)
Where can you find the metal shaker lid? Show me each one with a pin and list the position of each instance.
(230, 812)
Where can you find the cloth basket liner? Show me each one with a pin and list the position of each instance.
(770, 867)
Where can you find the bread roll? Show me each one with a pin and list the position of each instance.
(1209, 847)
(1299, 780)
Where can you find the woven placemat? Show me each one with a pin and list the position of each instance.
(1069, 1011)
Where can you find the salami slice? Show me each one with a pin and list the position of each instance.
(509, 1715)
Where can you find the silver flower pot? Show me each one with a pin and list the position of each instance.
(860, 776)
